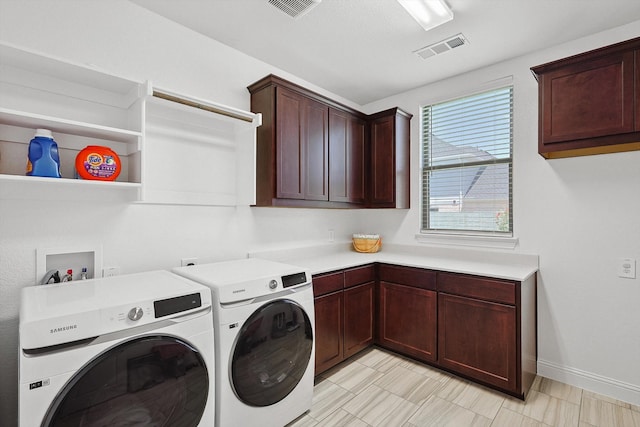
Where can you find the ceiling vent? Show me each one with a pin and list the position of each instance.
(295, 8)
(442, 47)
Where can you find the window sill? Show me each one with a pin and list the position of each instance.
(493, 242)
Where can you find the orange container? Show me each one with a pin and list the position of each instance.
(98, 163)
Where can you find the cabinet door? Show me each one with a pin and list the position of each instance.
(589, 99)
(478, 338)
(356, 160)
(329, 330)
(389, 155)
(346, 157)
(407, 320)
(315, 127)
(358, 318)
(382, 181)
(289, 145)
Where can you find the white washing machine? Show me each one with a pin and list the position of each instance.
(120, 351)
(264, 328)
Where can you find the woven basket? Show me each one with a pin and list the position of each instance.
(367, 243)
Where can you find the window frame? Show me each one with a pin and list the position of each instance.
(490, 238)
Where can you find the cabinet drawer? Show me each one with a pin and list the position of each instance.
(326, 283)
(502, 291)
(410, 276)
(359, 275)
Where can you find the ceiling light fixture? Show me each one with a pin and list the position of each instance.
(428, 13)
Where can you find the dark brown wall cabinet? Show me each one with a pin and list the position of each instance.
(315, 152)
(347, 135)
(344, 311)
(293, 147)
(389, 175)
(590, 103)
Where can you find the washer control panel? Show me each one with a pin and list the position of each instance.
(144, 312)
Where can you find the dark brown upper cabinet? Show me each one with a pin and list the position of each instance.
(389, 168)
(289, 150)
(590, 103)
(315, 152)
(315, 145)
(292, 149)
(346, 157)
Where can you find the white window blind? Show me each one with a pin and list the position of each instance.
(467, 164)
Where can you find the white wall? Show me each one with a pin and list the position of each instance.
(580, 215)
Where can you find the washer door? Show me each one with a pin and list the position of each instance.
(271, 354)
(154, 380)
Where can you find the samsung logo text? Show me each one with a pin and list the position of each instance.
(63, 329)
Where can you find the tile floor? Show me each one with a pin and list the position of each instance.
(379, 388)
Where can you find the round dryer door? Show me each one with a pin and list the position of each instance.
(153, 380)
(272, 352)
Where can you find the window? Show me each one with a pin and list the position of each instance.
(467, 164)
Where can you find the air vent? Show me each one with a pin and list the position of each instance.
(295, 8)
(442, 47)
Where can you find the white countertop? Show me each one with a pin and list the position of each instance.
(324, 258)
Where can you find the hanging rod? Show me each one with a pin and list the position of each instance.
(247, 117)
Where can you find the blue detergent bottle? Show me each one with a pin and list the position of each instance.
(44, 159)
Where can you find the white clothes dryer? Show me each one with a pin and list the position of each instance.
(121, 351)
(264, 346)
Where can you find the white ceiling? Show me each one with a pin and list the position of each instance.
(362, 50)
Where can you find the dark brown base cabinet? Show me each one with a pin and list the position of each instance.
(477, 329)
(478, 338)
(407, 311)
(329, 330)
(480, 328)
(344, 311)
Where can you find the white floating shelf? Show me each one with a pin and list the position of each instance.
(66, 181)
(72, 127)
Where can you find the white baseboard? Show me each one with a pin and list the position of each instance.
(610, 387)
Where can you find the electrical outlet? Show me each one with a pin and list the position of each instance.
(186, 262)
(627, 268)
(110, 271)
